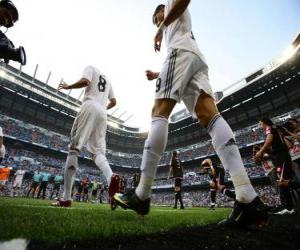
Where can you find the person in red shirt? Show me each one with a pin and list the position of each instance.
(4, 175)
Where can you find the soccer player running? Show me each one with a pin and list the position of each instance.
(89, 129)
(184, 76)
(18, 181)
(177, 171)
(217, 175)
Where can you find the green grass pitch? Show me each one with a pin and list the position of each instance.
(37, 220)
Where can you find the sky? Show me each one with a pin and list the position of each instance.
(236, 37)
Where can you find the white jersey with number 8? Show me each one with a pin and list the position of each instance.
(99, 89)
(89, 127)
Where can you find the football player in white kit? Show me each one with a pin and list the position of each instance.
(184, 77)
(2, 147)
(18, 180)
(89, 129)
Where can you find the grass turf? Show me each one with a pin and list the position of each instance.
(37, 220)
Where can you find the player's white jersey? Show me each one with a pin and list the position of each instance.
(99, 89)
(179, 35)
(20, 174)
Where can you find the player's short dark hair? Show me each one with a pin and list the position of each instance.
(175, 153)
(266, 121)
(7, 4)
(158, 9)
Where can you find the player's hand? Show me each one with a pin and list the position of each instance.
(151, 75)
(63, 85)
(157, 40)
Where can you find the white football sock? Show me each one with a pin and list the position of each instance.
(153, 151)
(102, 163)
(70, 170)
(228, 152)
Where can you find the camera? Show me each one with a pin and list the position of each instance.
(8, 16)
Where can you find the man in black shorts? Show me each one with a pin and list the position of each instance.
(217, 175)
(36, 180)
(58, 179)
(177, 171)
(86, 187)
(80, 186)
(282, 160)
(135, 180)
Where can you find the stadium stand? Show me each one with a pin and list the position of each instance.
(36, 120)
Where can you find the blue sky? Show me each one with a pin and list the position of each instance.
(238, 36)
(63, 36)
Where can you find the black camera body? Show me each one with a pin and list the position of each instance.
(9, 52)
(8, 15)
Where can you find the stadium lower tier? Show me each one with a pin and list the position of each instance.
(18, 130)
(193, 198)
(33, 159)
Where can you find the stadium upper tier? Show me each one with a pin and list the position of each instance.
(270, 91)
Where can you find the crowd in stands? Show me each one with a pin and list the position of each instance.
(36, 135)
(32, 161)
(201, 198)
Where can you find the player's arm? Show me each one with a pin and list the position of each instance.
(112, 103)
(176, 11)
(265, 147)
(151, 75)
(82, 83)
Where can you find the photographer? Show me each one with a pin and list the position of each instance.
(8, 16)
(282, 160)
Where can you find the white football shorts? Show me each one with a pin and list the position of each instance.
(183, 77)
(89, 128)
